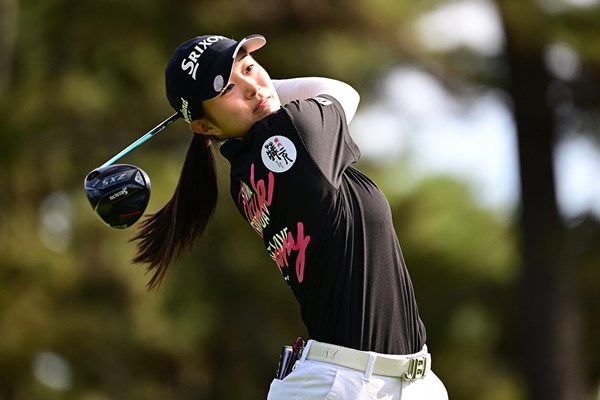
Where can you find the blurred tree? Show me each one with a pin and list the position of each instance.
(550, 317)
(80, 80)
(8, 34)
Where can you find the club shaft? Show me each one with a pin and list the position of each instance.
(142, 139)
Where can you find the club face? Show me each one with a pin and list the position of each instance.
(118, 193)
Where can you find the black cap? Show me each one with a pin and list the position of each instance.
(199, 70)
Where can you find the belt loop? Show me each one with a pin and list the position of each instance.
(306, 350)
(370, 365)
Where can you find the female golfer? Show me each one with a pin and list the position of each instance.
(326, 226)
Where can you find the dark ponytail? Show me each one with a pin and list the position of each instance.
(184, 218)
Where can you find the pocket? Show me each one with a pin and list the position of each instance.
(309, 380)
(350, 384)
(347, 384)
(337, 389)
(275, 391)
(288, 387)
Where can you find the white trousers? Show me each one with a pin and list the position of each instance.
(316, 380)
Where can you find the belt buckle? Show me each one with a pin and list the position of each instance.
(417, 368)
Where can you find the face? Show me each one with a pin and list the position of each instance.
(248, 97)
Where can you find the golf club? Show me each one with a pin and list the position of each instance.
(119, 193)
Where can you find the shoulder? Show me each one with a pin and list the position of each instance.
(318, 109)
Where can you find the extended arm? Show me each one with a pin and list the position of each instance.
(305, 88)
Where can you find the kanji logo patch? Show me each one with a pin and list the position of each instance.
(278, 153)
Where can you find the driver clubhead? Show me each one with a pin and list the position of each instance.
(118, 193)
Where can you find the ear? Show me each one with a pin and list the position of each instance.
(203, 126)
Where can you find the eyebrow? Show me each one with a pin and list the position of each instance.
(239, 57)
(242, 54)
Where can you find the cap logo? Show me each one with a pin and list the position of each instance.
(218, 83)
(185, 111)
(190, 63)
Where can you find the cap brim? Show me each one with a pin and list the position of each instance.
(250, 43)
(226, 60)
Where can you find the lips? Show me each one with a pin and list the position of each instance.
(263, 103)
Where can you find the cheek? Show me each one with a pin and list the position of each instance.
(238, 123)
(266, 81)
(230, 114)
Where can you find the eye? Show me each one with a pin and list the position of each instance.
(249, 68)
(227, 89)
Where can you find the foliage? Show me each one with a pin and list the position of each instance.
(81, 80)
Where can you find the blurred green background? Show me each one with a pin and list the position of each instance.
(508, 290)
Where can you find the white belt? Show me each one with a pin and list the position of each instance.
(407, 367)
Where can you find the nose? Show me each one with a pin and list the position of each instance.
(251, 87)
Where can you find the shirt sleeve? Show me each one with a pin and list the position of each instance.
(308, 87)
(321, 124)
